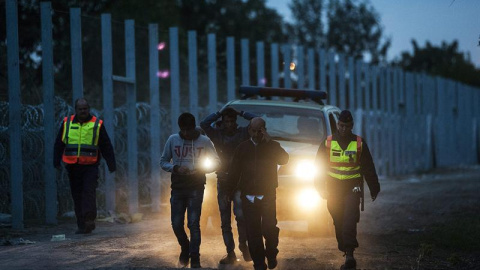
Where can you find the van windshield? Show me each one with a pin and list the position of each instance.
(288, 124)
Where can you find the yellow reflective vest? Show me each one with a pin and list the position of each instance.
(81, 141)
(344, 164)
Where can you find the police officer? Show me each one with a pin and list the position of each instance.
(347, 161)
(80, 140)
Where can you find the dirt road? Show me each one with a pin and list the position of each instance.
(428, 221)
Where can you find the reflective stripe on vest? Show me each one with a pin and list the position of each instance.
(81, 141)
(344, 164)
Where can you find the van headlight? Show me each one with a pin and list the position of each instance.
(306, 170)
(308, 198)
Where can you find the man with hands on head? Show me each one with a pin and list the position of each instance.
(253, 171)
(347, 161)
(226, 138)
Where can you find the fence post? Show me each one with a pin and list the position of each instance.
(107, 73)
(275, 65)
(132, 146)
(311, 68)
(300, 67)
(230, 68)
(351, 84)
(192, 73)
(245, 62)
(287, 59)
(358, 80)
(155, 123)
(367, 88)
(342, 95)
(174, 79)
(322, 70)
(15, 112)
(261, 80)
(212, 73)
(49, 114)
(76, 47)
(332, 79)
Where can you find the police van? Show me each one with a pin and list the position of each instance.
(299, 120)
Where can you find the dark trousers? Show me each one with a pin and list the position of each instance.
(261, 222)
(190, 201)
(83, 185)
(345, 212)
(226, 218)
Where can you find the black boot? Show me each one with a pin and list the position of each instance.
(195, 261)
(350, 262)
(272, 262)
(230, 258)
(89, 226)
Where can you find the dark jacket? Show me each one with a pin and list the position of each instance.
(367, 167)
(254, 167)
(225, 144)
(104, 145)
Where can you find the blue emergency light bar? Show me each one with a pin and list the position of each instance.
(250, 91)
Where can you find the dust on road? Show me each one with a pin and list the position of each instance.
(406, 228)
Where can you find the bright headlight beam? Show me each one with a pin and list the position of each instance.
(305, 169)
(308, 198)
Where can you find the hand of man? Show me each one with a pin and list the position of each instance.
(374, 196)
(266, 136)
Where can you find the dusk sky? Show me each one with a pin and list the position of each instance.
(422, 20)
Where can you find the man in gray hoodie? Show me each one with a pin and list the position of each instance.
(188, 155)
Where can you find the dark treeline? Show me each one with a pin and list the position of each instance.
(351, 27)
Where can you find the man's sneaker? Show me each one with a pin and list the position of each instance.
(245, 252)
(272, 262)
(350, 262)
(195, 261)
(184, 258)
(230, 258)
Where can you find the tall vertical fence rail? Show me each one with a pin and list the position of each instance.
(412, 122)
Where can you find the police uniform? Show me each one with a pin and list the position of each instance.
(347, 161)
(79, 145)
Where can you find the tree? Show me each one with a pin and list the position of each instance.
(239, 18)
(308, 26)
(444, 60)
(353, 27)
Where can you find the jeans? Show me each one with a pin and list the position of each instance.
(83, 185)
(261, 222)
(189, 200)
(226, 219)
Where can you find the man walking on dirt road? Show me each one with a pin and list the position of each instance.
(347, 160)
(81, 142)
(226, 138)
(185, 155)
(254, 171)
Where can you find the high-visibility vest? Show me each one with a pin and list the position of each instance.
(81, 140)
(344, 164)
